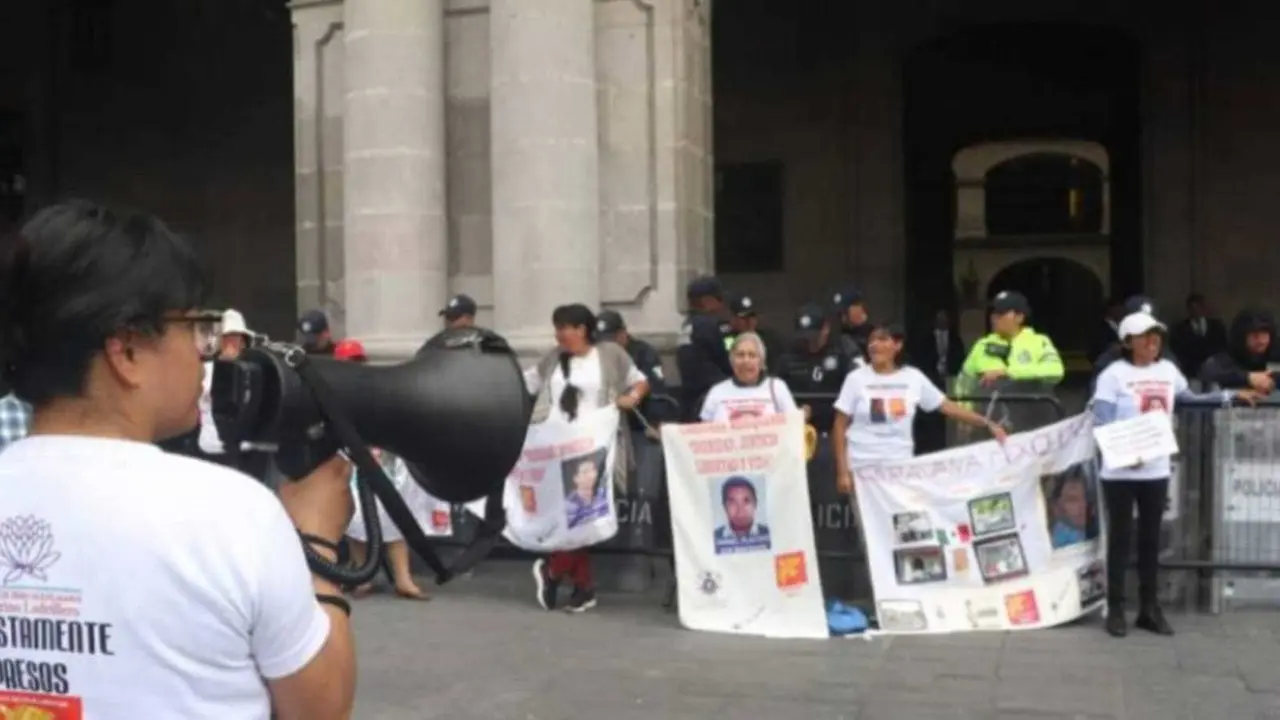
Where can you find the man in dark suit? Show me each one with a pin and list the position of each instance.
(940, 355)
(1107, 332)
(1198, 337)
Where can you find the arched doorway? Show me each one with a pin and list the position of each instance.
(1047, 83)
(1061, 291)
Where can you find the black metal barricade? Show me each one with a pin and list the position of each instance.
(1220, 544)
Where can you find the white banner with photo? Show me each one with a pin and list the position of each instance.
(559, 496)
(986, 537)
(743, 537)
(434, 515)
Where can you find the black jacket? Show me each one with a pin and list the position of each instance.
(1230, 369)
(654, 408)
(815, 378)
(701, 358)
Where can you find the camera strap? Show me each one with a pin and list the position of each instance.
(371, 471)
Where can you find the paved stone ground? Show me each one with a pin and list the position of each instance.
(483, 650)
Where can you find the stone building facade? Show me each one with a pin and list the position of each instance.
(533, 152)
(526, 153)
(530, 152)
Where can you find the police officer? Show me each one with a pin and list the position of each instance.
(610, 327)
(703, 355)
(313, 328)
(854, 320)
(1135, 304)
(459, 312)
(816, 362)
(743, 317)
(1012, 350)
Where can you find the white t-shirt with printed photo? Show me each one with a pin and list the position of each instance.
(882, 411)
(137, 581)
(1134, 390)
(727, 401)
(586, 374)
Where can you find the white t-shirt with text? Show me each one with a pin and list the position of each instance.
(585, 374)
(137, 581)
(727, 401)
(882, 411)
(1134, 390)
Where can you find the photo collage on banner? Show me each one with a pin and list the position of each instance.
(743, 537)
(560, 495)
(986, 537)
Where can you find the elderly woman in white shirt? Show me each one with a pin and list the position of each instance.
(751, 392)
(1142, 381)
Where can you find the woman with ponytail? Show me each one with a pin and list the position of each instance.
(571, 381)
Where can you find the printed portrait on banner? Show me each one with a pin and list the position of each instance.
(742, 515)
(1071, 505)
(586, 488)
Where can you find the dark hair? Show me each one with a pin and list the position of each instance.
(895, 332)
(573, 315)
(736, 481)
(77, 274)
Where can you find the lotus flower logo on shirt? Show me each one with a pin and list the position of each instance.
(26, 548)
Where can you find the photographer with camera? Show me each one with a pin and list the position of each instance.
(156, 583)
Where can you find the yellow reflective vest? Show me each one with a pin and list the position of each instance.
(1028, 356)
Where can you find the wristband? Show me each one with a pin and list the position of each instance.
(336, 601)
(317, 540)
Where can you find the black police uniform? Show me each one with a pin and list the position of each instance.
(649, 363)
(702, 356)
(815, 377)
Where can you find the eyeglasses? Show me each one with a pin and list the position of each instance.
(206, 327)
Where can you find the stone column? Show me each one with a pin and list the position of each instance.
(546, 163)
(395, 246)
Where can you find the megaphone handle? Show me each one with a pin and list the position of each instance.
(371, 480)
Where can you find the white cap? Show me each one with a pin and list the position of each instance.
(1139, 324)
(233, 323)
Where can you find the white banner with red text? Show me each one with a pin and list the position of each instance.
(743, 536)
(559, 496)
(986, 537)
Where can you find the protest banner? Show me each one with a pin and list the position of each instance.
(433, 515)
(560, 494)
(743, 536)
(986, 537)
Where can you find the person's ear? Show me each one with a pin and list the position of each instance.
(121, 356)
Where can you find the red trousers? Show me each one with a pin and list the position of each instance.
(573, 565)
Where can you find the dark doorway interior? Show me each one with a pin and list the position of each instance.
(1012, 82)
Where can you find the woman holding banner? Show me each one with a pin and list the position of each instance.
(1141, 382)
(571, 381)
(750, 392)
(877, 406)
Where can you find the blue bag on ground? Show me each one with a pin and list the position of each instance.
(844, 619)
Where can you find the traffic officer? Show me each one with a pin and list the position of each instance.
(702, 356)
(1012, 350)
(816, 362)
(610, 327)
(854, 320)
(1135, 304)
(459, 312)
(743, 317)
